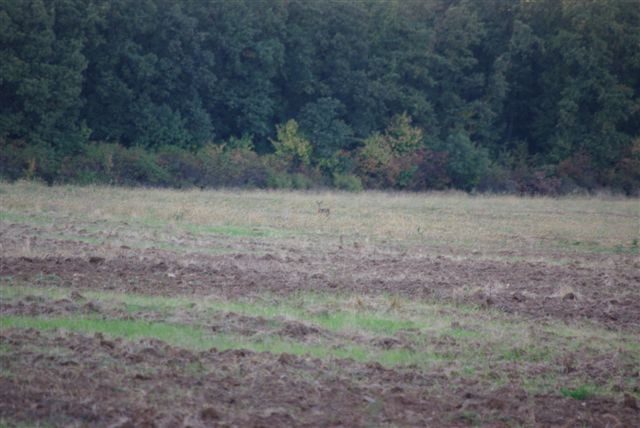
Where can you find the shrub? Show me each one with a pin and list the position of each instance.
(35, 161)
(136, 166)
(402, 137)
(245, 168)
(13, 163)
(432, 171)
(279, 180)
(391, 159)
(245, 142)
(183, 166)
(301, 182)
(373, 160)
(466, 162)
(291, 146)
(92, 165)
(626, 173)
(233, 167)
(578, 169)
(497, 179)
(536, 181)
(348, 182)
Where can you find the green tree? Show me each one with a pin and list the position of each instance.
(320, 121)
(245, 38)
(391, 159)
(291, 146)
(144, 81)
(41, 73)
(466, 161)
(589, 77)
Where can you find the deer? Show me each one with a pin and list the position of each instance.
(323, 211)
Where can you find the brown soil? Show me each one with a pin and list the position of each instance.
(78, 380)
(81, 382)
(607, 292)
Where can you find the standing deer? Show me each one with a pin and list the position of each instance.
(323, 211)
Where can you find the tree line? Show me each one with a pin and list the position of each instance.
(529, 96)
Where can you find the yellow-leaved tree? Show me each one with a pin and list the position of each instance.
(291, 146)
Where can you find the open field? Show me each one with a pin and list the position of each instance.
(133, 307)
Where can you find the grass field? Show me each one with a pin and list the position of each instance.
(163, 307)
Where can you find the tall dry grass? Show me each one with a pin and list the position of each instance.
(452, 219)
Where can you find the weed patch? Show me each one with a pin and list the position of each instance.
(580, 393)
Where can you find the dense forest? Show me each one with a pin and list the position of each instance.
(523, 96)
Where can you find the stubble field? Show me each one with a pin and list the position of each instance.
(139, 307)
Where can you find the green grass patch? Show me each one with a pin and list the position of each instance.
(229, 230)
(184, 336)
(195, 338)
(425, 327)
(580, 393)
(40, 423)
(25, 218)
(462, 333)
(223, 230)
(335, 320)
(597, 248)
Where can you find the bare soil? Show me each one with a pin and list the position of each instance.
(602, 288)
(82, 384)
(79, 380)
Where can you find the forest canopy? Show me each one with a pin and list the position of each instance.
(529, 96)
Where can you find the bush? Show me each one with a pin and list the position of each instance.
(626, 173)
(13, 162)
(183, 166)
(348, 182)
(301, 182)
(373, 160)
(402, 137)
(291, 146)
(467, 163)
(21, 160)
(392, 159)
(279, 180)
(578, 170)
(432, 171)
(538, 181)
(497, 179)
(93, 165)
(236, 167)
(136, 166)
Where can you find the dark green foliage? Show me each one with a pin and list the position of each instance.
(93, 165)
(348, 182)
(31, 161)
(500, 95)
(41, 72)
(320, 122)
(467, 163)
(236, 167)
(184, 166)
(137, 166)
(146, 80)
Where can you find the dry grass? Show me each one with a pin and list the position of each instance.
(448, 219)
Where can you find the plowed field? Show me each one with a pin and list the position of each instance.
(162, 308)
